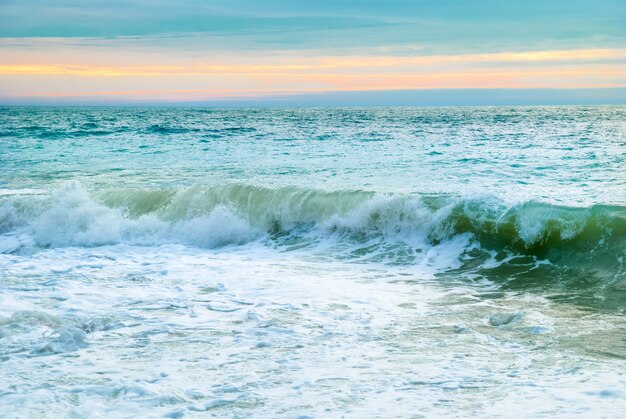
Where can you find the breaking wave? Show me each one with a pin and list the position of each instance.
(235, 214)
(530, 243)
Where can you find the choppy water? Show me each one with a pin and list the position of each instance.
(313, 262)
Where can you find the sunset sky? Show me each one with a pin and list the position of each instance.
(159, 51)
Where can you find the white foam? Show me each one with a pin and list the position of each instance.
(74, 218)
(128, 329)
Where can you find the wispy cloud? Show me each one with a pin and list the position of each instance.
(323, 63)
(444, 25)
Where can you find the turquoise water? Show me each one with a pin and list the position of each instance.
(320, 262)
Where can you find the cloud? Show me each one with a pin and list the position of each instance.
(441, 26)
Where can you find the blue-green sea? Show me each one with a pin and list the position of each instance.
(313, 262)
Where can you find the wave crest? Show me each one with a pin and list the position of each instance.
(235, 214)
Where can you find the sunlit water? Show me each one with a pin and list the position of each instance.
(313, 262)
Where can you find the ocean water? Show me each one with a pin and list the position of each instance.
(396, 262)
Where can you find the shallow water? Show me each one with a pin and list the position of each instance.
(313, 262)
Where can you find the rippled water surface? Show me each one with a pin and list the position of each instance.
(313, 262)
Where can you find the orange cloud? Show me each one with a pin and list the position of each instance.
(327, 64)
(262, 76)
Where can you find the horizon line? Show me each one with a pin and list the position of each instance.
(367, 98)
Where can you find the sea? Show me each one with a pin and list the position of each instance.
(313, 262)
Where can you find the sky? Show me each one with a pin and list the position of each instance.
(312, 52)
